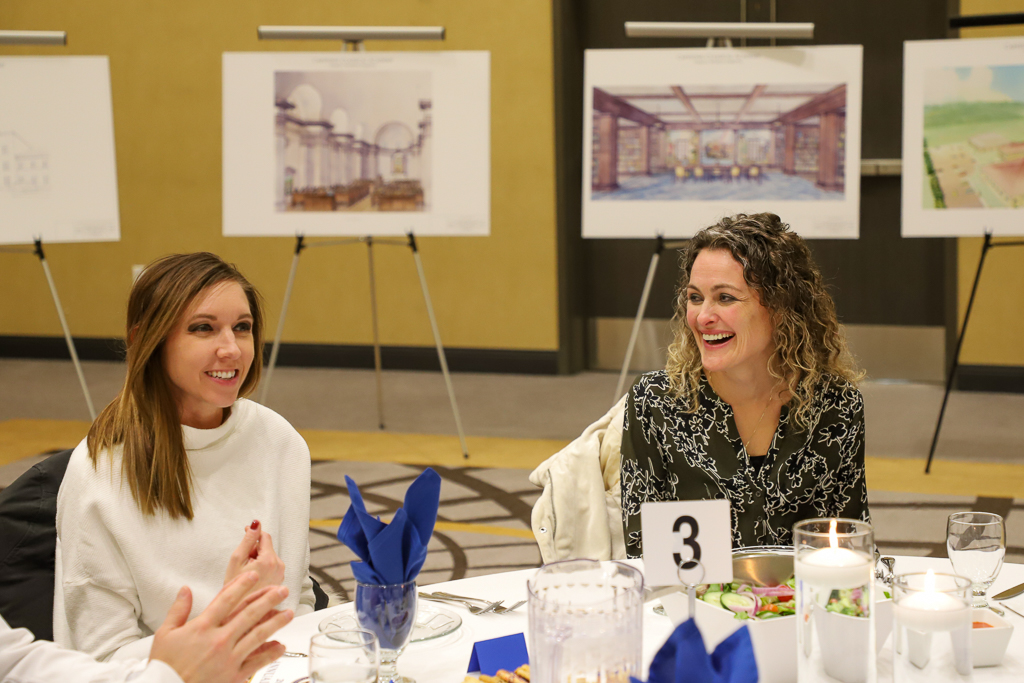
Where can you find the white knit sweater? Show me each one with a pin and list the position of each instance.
(118, 571)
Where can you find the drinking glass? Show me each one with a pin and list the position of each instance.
(343, 656)
(976, 543)
(586, 621)
(389, 612)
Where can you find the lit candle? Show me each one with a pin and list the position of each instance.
(929, 610)
(833, 567)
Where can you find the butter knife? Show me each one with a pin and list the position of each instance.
(1010, 593)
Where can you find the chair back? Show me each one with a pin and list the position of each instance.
(28, 541)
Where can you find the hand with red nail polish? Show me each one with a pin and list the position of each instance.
(256, 553)
(255, 526)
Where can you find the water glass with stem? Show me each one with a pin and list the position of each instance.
(389, 612)
(976, 543)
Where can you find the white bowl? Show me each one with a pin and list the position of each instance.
(988, 645)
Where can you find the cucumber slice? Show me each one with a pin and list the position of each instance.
(713, 597)
(738, 603)
(768, 614)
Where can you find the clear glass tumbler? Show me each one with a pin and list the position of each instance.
(835, 598)
(389, 612)
(343, 656)
(586, 622)
(932, 635)
(976, 543)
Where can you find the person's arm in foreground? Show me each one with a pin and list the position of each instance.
(224, 644)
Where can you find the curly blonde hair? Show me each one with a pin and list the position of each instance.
(777, 264)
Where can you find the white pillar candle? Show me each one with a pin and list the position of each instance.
(931, 611)
(835, 568)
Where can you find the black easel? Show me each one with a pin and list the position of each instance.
(986, 245)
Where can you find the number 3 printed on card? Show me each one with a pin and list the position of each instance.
(690, 540)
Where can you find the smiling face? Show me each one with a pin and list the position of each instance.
(731, 327)
(208, 353)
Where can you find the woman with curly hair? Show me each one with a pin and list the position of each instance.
(757, 404)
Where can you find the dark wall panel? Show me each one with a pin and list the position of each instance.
(879, 279)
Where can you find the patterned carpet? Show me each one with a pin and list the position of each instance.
(483, 522)
(484, 518)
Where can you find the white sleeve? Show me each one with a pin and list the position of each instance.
(307, 601)
(100, 601)
(23, 660)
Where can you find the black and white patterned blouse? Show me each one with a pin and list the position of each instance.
(670, 454)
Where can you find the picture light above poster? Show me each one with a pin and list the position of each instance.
(357, 143)
(963, 137)
(674, 139)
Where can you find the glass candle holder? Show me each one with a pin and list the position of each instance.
(586, 622)
(388, 612)
(835, 597)
(932, 634)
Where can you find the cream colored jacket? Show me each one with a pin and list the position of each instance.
(579, 514)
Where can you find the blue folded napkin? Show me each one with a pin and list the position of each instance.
(392, 553)
(683, 658)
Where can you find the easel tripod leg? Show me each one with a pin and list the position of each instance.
(376, 335)
(265, 389)
(64, 327)
(986, 245)
(651, 270)
(440, 348)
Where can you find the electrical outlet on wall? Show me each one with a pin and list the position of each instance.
(137, 269)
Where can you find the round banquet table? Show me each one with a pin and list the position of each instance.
(445, 659)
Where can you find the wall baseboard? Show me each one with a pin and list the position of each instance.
(999, 378)
(314, 355)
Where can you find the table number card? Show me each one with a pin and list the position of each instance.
(682, 538)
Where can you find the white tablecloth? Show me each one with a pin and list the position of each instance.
(445, 660)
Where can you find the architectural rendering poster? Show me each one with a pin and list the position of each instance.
(58, 179)
(963, 137)
(674, 139)
(357, 143)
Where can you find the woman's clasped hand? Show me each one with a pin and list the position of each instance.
(256, 554)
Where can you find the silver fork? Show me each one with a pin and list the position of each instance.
(497, 610)
(473, 609)
(506, 610)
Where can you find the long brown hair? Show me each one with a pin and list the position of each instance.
(144, 417)
(809, 346)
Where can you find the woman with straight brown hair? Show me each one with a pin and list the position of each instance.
(180, 481)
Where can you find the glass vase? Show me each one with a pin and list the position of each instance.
(835, 601)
